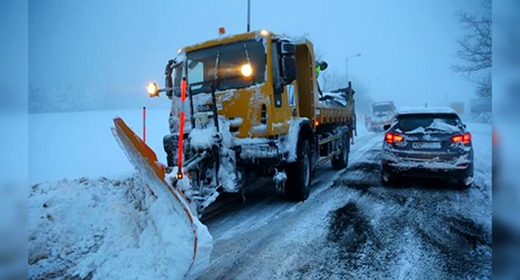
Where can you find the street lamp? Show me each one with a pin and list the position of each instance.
(349, 58)
(248, 15)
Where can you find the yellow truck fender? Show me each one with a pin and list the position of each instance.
(300, 128)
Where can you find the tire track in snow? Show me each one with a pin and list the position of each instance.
(432, 216)
(263, 193)
(446, 241)
(271, 250)
(246, 230)
(380, 232)
(385, 246)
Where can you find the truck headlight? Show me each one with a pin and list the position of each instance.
(153, 89)
(246, 70)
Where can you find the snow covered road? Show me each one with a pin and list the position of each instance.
(352, 227)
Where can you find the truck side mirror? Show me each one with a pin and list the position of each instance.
(289, 69)
(288, 48)
(168, 81)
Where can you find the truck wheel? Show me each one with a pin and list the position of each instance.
(298, 182)
(341, 161)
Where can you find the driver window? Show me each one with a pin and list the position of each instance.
(178, 74)
(195, 71)
(277, 79)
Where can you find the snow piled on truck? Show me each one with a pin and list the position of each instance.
(108, 229)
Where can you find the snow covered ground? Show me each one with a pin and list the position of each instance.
(98, 222)
(108, 228)
(74, 145)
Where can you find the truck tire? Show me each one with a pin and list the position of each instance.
(298, 182)
(341, 161)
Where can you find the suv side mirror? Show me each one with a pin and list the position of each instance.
(289, 69)
(386, 126)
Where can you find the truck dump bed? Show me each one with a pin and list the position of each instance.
(336, 106)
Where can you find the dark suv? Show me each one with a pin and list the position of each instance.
(426, 143)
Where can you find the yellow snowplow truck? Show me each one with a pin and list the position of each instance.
(247, 106)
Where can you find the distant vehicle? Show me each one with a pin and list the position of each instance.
(458, 107)
(382, 113)
(427, 143)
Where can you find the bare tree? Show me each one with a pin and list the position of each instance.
(475, 49)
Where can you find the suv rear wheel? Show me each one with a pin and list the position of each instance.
(387, 179)
(465, 183)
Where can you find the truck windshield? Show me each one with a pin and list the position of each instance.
(224, 63)
(383, 108)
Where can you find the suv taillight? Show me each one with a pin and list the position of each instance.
(462, 138)
(392, 138)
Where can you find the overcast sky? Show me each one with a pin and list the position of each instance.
(104, 46)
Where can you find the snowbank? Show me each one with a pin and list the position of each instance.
(109, 229)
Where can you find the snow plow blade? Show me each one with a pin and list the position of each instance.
(144, 160)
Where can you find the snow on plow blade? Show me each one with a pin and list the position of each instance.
(188, 227)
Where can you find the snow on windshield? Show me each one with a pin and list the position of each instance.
(423, 123)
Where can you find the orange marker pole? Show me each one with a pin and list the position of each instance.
(181, 129)
(144, 124)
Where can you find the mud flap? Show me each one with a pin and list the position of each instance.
(144, 160)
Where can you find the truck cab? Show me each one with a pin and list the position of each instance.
(252, 106)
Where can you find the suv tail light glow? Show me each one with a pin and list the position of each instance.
(462, 138)
(392, 138)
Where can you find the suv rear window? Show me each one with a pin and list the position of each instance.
(443, 122)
